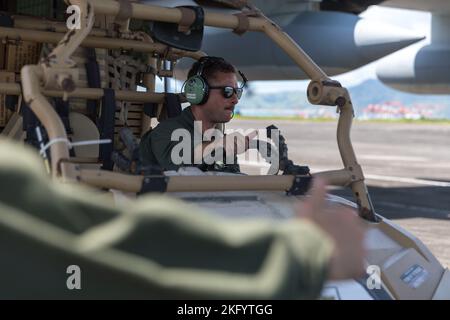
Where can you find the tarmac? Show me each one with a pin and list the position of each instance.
(406, 166)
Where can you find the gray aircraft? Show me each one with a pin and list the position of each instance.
(339, 40)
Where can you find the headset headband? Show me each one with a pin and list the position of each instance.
(203, 60)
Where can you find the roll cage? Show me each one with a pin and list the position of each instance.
(54, 76)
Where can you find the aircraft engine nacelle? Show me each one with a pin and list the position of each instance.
(425, 71)
(422, 68)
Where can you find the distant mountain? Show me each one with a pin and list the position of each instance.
(372, 92)
(370, 98)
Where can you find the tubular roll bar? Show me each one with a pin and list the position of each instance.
(322, 90)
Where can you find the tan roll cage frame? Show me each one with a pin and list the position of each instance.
(56, 72)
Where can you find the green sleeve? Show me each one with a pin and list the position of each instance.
(154, 247)
(145, 149)
(162, 147)
(155, 148)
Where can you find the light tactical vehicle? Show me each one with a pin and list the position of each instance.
(73, 95)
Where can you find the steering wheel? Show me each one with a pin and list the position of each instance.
(280, 153)
(269, 152)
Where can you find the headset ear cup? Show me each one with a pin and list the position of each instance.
(196, 90)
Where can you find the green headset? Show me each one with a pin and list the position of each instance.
(196, 88)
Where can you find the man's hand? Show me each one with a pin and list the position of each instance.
(232, 144)
(237, 143)
(343, 226)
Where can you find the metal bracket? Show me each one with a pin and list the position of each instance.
(125, 11)
(154, 184)
(300, 185)
(326, 92)
(356, 172)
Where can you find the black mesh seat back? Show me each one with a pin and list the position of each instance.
(172, 105)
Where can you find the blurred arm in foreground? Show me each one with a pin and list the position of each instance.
(158, 247)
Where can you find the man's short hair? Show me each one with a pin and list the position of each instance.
(211, 65)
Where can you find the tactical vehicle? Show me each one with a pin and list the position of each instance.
(72, 93)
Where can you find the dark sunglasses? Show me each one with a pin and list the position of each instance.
(228, 91)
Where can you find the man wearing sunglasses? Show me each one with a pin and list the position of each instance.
(213, 91)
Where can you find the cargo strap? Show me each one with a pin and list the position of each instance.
(243, 21)
(188, 17)
(125, 11)
(300, 185)
(93, 79)
(243, 24)
(106, 127)
(154, 184)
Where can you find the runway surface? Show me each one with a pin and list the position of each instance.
(407, 169)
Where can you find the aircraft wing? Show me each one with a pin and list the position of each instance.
(331, 32)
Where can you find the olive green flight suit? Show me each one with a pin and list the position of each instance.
(155, 247)
(156, 145)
